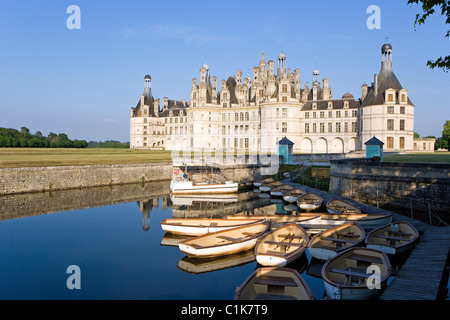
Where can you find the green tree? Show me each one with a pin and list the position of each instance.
(429, 7)
(446, 135)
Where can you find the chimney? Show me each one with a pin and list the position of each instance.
(375, 83)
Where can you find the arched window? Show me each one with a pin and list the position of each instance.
(247, 116)
(242, 116)
(236, 116)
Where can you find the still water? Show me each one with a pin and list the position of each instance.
(114, 236)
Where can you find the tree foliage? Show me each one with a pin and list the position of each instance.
(12, 138)
(443, 142)
(429, 7)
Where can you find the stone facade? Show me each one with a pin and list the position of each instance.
(253, 114)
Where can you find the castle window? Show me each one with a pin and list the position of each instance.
(402, 124)
(284, 99)
(261, 93)
(390, 110)
(314, 115)
(306, 115)
(225, 105)
(284, 127)
(390, 142)
(403, 97)
(338, 127)
(247, 116)
(236, 116)
(224, 117)
(402, 110)
(284, 88)
(338, 114)
(354, 113)
(402, 142)
(322, 127)
(330, 127)
(353, 126)
(145, 120)
(194, 95)
(246, 143)
(242, 116)
(225, 96)
(284, 110)
(322, 114)
(346, 127)
(314, 127)
(306, 127)
(330, 114)
(277, 115)
(390, 97)
(390, 124)
(346, 114)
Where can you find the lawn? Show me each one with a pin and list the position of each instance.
(432, 157)
(42, 157)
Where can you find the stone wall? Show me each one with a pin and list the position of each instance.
(23, 180)
(403, 185)
(39, 179)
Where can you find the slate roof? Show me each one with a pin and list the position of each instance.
(374, 141)
(285, 141)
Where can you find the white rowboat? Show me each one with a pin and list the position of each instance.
(329, 243)
(281, 246)
(350, 275)
(309, 201)
(341, 206)
(393, 238)
(197, 227)
(274, 284)
(224, 242)
(189, 187)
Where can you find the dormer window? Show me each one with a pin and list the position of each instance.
(330, 105)
(314, 106)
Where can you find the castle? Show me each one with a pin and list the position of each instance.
(252, 115)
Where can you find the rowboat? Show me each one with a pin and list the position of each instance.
(196, 227)
(363, 219)
(224, 242)
(356, 274)
(178, 187)
(393, 238)
(266, 187)
(309, 201)
(278, 191)
(270, 283)
(329, 243)
(304, 218)
(260, 182)
(281, 246)
(341, 206)
(292, 195)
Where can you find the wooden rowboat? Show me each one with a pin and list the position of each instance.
(224, 242)
(329, 243)
(281, 246)
(197, 227)
(278, 191)
(292, 195)
(270, 283)
(304, 218)
(260, 182)
(309, 201)
(350, 275)
(363, 219)
(393, 238)
(341, 206)
(266, 187)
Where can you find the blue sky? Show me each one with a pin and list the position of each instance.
(83, 82)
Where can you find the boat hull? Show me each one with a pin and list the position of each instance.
(187, 187)
(217, 251)
(361, 293)
(308, 206)
(198, 228)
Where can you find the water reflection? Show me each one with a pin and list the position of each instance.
(114, 233)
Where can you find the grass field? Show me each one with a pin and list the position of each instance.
(435, 157)
(41, 157)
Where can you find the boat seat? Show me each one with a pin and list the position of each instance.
(398, 233)
(228, 238)
(289, 236)
(360, 257)
(391, 238)
(351, 273)
(276, 281)
(348, 235)
(275, 253)
(268, 296)
(251, 234)
(339, 240)
(285, 244)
